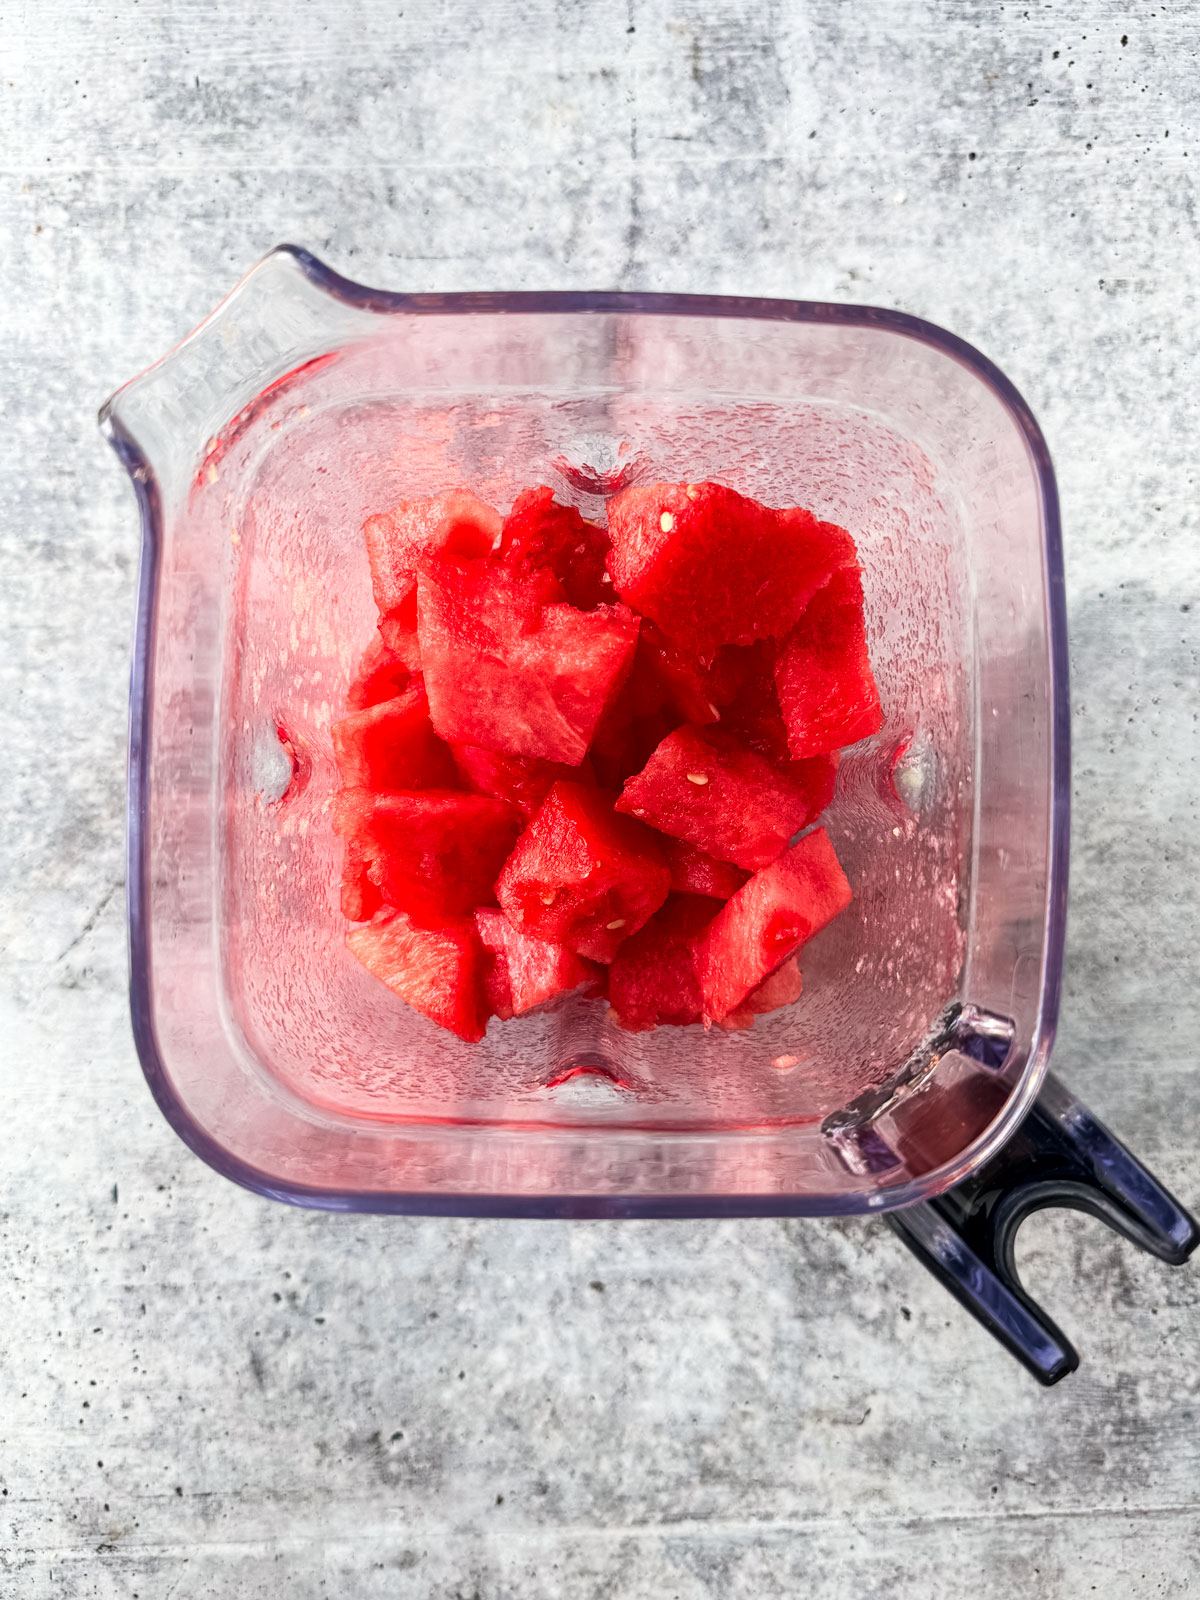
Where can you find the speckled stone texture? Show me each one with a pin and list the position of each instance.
(204, 1394)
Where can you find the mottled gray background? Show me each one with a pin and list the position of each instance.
(203, 1394)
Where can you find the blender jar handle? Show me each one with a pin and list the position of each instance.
(1061, 1155)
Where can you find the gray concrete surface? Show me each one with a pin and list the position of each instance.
(202, 1394)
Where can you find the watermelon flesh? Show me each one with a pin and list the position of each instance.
(381, 675)
(695, 872)
(703, 786)
(526, 972)
(360, 896)
(433, 854)
(753, 714)
(712, 567)
(392, 745)
(683, 683)
(653, 977)
(438, 971)
(581, 875)
(510, 668)
(632, 726)
(782, 988)
(456, 523)
(539, 532)
(827, 692)
(398, 633)
(521, 781)
(767, 921)
(575, 758)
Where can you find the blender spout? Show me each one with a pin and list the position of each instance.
(169, 424)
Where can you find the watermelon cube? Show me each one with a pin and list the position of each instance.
(456, 523)
(634, 723)
(582, 876)
(827, 692)
(497, 991)
(392, 745)
(433, 854)
(398, 631)
(767, 921)
(752, 713)
(622, 748)
(526, 972)
(653, 976)
(703, 786)
(783, 987)
(360, 897)
(683, 682)
(712, 567)
(817, 776)
(381, 675)
(522, 781)
(509, 667)
(438, 971)
(696, 872)
(538, 532)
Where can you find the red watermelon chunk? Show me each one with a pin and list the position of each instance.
(435, 854)
(497, 991)
(392, 745)
(823, 677)
(538, 532)
(653, 976)
(817, 776)
(438, 971)
(529, 972)
(703, 786)
(784, 986)
(582, 876)
(360, 897)
(456, 523)
(683, 682)
(754, 717)
(522, 781)
(381, 675)
(696, 872)
(712, 567)
(767, 921)
(509, 668)
(623, 747)
(398, 631)
(634, 723)
(753, 714)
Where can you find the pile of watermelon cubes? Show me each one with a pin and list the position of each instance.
(577, 757)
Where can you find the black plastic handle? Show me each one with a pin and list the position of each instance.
(1059, 1156)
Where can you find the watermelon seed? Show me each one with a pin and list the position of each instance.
(613, 926)
(666, 522)
(697, 778)
(548, 896)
